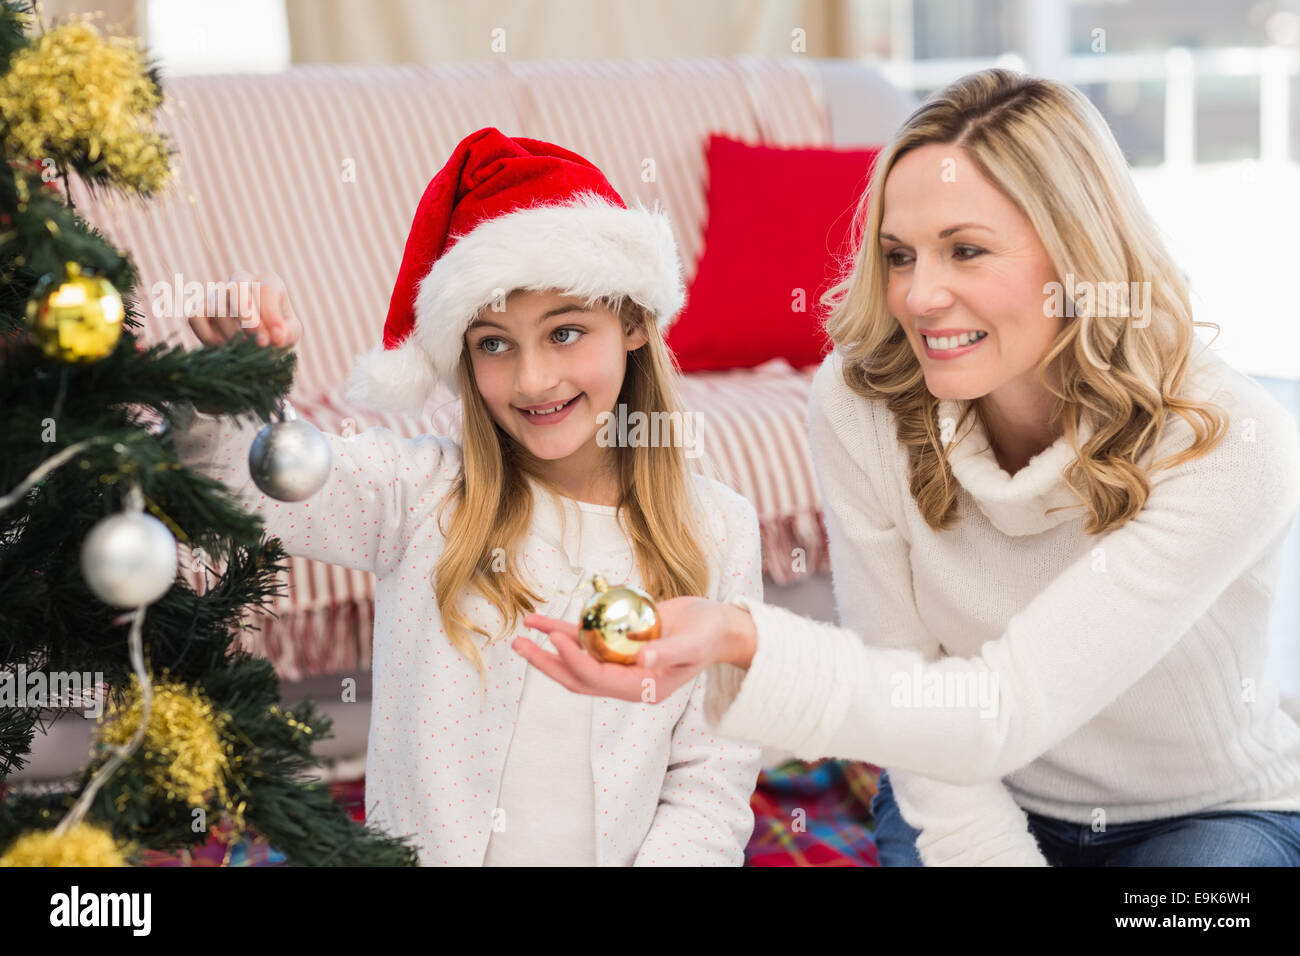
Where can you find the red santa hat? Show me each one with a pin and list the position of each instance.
(504, 214)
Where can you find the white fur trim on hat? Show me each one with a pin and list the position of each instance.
(400, 379)
(588, 248)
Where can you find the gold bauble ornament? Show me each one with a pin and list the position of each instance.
(617, 621)
(76, 317)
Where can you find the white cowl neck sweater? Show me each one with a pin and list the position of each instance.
(1110, 678)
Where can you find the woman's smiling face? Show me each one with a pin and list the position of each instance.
(547, 350)
(963, 260)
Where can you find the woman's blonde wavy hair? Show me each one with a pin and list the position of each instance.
(493, 500)
(1048, 149)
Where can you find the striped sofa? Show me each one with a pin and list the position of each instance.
(315, 173)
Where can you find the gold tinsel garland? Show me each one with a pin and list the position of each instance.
(74, 92)
(83, 845)
(188, 746)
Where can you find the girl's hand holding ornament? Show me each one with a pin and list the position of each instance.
(253, 305)
(256, 306)
(694, 633)
(290, 459)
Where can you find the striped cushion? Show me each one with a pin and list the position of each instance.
(315, 173)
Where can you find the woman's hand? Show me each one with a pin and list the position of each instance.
(696, 632)
(248, 304)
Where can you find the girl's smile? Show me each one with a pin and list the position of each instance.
(549, 414)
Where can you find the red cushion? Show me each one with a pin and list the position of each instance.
(779, 220)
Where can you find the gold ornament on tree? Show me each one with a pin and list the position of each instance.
(76, 317)
(617, 621)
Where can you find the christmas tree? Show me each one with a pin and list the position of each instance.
(96, 513)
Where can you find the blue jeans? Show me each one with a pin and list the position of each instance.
(1232, 838)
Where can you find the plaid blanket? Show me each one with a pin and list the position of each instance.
(814, 814)
(805, 814)
(249, 849)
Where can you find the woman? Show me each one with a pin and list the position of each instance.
(1055, 522)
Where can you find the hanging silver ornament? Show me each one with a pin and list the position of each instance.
(289, 459)
(129, 560)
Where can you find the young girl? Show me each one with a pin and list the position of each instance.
(527, 284)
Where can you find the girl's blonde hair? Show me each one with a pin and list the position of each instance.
(1047, 148)
(493, 500)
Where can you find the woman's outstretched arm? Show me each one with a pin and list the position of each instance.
(819, 690)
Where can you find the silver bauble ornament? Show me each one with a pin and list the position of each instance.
(290, 459)
(129, 560)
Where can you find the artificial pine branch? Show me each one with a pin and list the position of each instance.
(125, 407)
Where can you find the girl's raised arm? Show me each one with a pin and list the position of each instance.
(381, 486)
